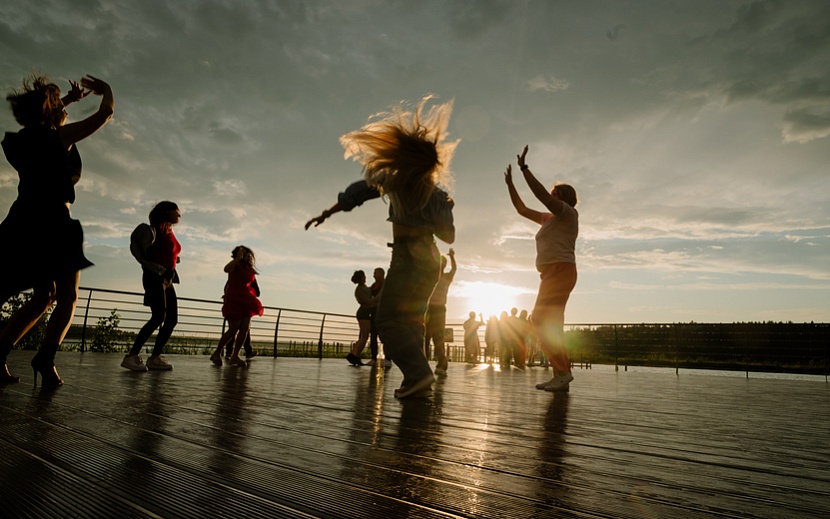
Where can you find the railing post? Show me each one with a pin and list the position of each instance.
(277, 331)
(320, 341)
(676, 327)
(616, 350)
(86, 316)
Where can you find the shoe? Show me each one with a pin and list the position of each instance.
(237, 362)
(387, 364)
(216, 359)
(440, 371)
(133, 363)
(6, 378)
(560, 382)
(44, 363)
(544, 385)
(354, 359)
(159, 363)
(371, 362)
(415, 388)
(251, 355)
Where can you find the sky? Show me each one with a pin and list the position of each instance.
(696, 134)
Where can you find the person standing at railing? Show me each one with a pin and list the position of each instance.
(472, 345)
(241, 303)
(436, 319)
(405, 158)
(556, 263)
(363, 295)
(156, 248)
(379, 274)
(43, 244)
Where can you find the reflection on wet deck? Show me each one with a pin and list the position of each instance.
(309, 438)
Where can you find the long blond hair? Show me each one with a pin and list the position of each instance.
(404, 153)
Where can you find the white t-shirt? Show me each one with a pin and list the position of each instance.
(556, 240)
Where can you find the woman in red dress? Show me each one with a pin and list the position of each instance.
(241, 303)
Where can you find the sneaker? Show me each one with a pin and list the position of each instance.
(159, 363)
(544, 385)
(560, 382)
(371, 362)
(251, 355)
(387, 364)
(133, 363)
(417, 388)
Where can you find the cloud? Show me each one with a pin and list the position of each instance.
(615, 31)
(544, 84)
(807, 124)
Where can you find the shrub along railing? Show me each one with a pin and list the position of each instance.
(107, 320)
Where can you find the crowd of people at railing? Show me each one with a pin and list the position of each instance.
(405, 158)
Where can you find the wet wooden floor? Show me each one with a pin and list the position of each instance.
(309, 438)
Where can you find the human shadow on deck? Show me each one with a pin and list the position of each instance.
(552, 454)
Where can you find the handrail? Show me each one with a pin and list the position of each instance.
(745, 347)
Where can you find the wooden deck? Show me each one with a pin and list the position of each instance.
(309, 438)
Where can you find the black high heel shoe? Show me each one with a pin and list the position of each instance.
(6, 378)
(44, 363)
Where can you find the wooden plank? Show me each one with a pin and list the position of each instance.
(309, 438)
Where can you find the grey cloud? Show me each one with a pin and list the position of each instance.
(615, 32)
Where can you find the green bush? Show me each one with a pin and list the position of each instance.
(106, 335)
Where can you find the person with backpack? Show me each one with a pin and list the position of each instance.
(156, 248)
(43, 243)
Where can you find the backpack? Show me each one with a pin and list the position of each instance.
(140, 240)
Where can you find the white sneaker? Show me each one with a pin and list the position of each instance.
(133, 363)
(544, 385)
(560, 382)
(159, 363)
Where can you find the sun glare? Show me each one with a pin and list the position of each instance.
(487, 298)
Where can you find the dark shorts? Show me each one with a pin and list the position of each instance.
(364, 313)
(157, 289)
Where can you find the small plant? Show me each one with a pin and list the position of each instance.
(106, 336)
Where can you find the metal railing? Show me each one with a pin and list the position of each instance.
(750, 347)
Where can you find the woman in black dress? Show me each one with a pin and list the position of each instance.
(44, 244)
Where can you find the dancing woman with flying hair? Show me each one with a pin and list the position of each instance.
(406, 159)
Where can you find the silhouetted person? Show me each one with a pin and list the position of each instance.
(556, 263)
(43, 244)
(156, 248)
(436, 319)
(512, 335)
(404, 156)
(379, 275)
(505, 337)
(472, 345)
(240, 304)
(363, 295)
(491, 339)
(249, 350)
